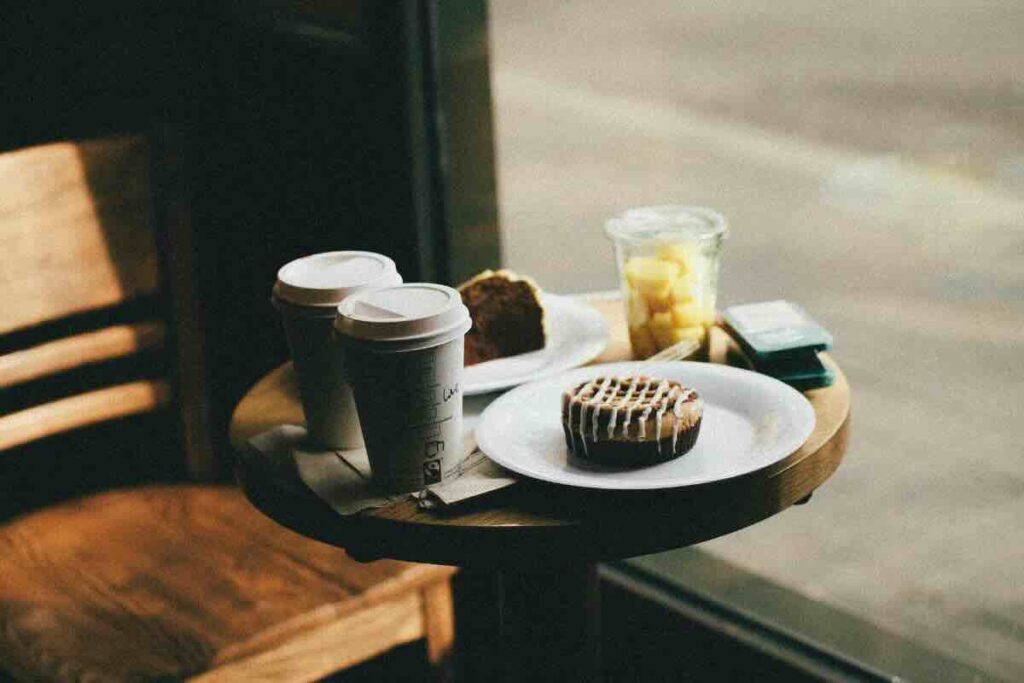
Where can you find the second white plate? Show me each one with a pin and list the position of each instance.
(750, 422)
(577, 334)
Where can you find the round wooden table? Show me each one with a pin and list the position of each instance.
(542, 539)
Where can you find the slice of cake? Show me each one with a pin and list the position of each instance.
(508, 317)
(630, 421)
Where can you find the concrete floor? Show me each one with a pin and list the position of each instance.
(870, 159)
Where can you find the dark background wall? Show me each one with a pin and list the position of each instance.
(307, 126)
(301, 140)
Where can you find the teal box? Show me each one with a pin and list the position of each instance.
(802, 369)
(772, 329)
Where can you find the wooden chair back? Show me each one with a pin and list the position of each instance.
(81, 288)
(98, 321)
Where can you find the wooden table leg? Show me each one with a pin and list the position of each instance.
(549, 624)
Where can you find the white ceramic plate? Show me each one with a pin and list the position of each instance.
(577, 334)
(750, 422)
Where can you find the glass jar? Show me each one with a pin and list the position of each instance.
(668, 258)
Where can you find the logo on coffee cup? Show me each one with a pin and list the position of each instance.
(432, 471)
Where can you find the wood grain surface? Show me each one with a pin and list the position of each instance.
(117, 341)
(533, 524)
(170, 581)
(77, 233)
(155, 582)
(93, 407)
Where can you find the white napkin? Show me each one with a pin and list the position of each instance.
(342, 478)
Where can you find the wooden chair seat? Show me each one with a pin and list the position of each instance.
(171, 581)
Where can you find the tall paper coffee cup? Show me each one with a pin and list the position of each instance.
(307, 294)
(404, 345)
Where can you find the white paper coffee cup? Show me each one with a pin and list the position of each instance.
(307, 293)
(404, 345)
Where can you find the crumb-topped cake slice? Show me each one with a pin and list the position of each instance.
(508, 317)
(630, 421)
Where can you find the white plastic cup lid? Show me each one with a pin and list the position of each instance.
(326, 279)
(412, 311)
(668, 222)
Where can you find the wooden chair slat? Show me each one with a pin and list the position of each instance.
(439, 621)
(173, 580)
(118, 341)
(76, 231)
(160, 581)
(333, 645)
(382, 589)
(97, 406)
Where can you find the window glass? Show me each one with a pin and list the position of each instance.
(870, 160)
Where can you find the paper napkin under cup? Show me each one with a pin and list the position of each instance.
(342, 478)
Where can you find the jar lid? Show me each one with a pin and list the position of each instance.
(411, 311)
(668, 222)
(326, 279)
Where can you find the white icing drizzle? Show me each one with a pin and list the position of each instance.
(647, 410)
(605, 390)
(568, 434)
(678, 413)
(583, 414)
(630, 406)
(569, 426)
(657, 418)
(596, 401)
(625, 399)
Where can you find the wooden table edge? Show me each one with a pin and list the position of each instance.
(787, 482)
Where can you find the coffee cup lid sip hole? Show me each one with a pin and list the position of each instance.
(327, 279)
(414, 313)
